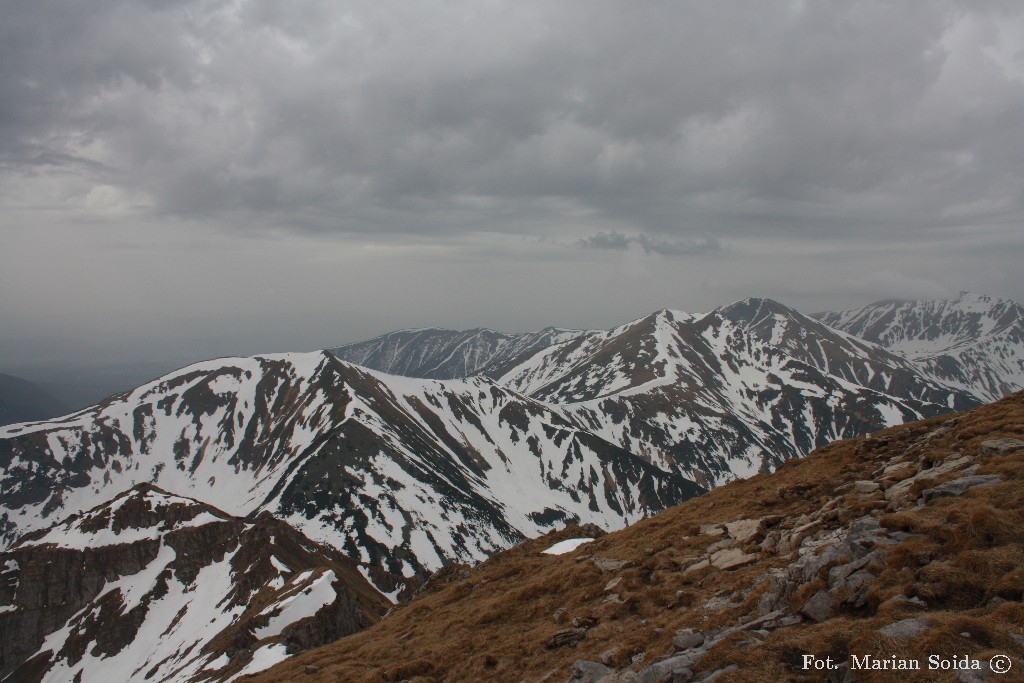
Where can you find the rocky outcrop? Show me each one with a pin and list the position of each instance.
(215, 589)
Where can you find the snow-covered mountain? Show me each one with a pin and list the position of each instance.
(405, 474)
(711, 396)
(436, 353)
(154, 586)
(972, 342)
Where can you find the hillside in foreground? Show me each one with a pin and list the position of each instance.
(882, 549)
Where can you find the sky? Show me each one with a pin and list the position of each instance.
(191, 179)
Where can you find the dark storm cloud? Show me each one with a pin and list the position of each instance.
(367, 116)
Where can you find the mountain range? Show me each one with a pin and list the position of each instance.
(487, 438)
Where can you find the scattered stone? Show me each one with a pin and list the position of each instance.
(677, 668)
(782, 622)
(613, 583)
(608, 656)
(906, 628)
(743, 530)
(957, 487)
(865, 487)
(1000, 446)
(583, 671)
(1017, 638)
(697, 566)
(731, 558)
(567, 636)
(982, 675)
(559, 615)
(902, 602)
(608, 564)
(584, 622)
(818, 607)
(722, 545)
(715, 675)
(900, 491)
(711, 530)
(687, 638)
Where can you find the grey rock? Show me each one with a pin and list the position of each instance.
(1000, 446)
(567, 636)
(982, 675)
(722, 545)
(687, 638)
(744, 530)
(858, 584)
(865, 487)
(583, 671)
(715, 675)
(609, 655)
(906, 628)
(957, 487)
(608, 564)
(818, 607)
(731, 558)
(613, 583)
(676, 669)
(711, 530)
(697, 566)
(782, 622)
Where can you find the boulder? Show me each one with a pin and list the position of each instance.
(697, 566)
(818, 607)
(731, 558)
(608, 564)
(677, 669)
(865, 487)
(957, 487)
(906, 628)
(583, 671)
(567, 636)
(711, 530)
(744, 530)
(686, 639)
(1000, 446)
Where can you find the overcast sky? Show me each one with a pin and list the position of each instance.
(187, 179)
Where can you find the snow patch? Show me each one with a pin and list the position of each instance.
(566, 546)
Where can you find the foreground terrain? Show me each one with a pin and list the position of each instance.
(902, 544)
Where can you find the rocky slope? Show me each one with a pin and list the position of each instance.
(907, 543)
(158, 587)
(403, 474)
(972, 342)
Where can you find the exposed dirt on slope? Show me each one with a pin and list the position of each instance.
(903, 544)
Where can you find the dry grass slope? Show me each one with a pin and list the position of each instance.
(957, 561)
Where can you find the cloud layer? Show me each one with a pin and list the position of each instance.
(835, 139)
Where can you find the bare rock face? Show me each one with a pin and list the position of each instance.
(731, 558)
(1001, 446)
(162, 587)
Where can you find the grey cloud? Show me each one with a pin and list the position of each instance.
(512, 164)
(667, 247)
(830, 115)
